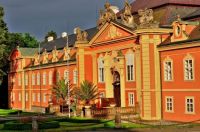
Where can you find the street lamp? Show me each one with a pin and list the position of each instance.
(68, 89)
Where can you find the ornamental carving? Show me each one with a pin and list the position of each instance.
(54, 55)
(81, 35)
(106, 15)
(66, 54)
(45, 57)
(113, 33)
(146, 19)
(37, 59)
(127, 17)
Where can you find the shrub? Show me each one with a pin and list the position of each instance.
(109, 124)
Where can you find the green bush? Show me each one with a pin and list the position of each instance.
(109, 124)
(28, 126)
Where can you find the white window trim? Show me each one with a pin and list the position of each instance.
(38, 97)
(166, 110)
(50, 78)
(33, 79)
(129, 102)
(19, 97)
(44, 78)
(189, 97)
(130, 53)
(188, 57)
(66, 76)
(27, 96)
(101, 79)
(172, 72)
(26, 79)
(75, 76)
(38, 78)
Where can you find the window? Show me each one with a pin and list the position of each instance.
(38, 78)
(26, 79)
(26, 96)
(44, 78)
(101, 69)
(169, 104)
(44, 98)
(57, 76)
(38, 97)
(131, 99)
(20, 96)
(188, 69)
(13, 96)
(66, 76)
(168, 70)
(130, 67)
(75, 76)
(19, 80)
(50, 78)
(34, 97)
(189, 104)
(33, 79)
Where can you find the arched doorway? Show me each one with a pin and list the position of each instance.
(116, 88)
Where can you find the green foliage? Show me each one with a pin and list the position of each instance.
(87, 91)
(5, 112)
(51, 34)
(61, 90)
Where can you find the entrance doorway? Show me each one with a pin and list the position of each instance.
(116, 88)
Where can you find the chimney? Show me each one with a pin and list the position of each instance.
(50, 38)
(64, 34)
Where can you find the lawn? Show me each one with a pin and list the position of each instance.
(6, 112)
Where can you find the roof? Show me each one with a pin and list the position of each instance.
(28, 51)
(60, 43)
(142, 4)
(192, 15)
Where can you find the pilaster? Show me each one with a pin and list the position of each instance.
(23, 86)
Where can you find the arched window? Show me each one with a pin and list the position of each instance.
(33, 79)
(50, 78)
(44, 78)
(130, 72)
(188, 68)
(38, 78)
(101, 69)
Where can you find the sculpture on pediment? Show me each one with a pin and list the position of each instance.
(54, 55)
(37, 59)
(127, 17)
(66, 54)
(45, 57)
(146, 19)
(106, 16)
(81, 35)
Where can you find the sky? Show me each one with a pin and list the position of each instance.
(37, 17)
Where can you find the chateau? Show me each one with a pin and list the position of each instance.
(146, 54)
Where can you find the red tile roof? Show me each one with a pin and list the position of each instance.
(141, 4)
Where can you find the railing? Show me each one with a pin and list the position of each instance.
(110, 112)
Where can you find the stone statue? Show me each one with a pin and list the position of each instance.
(127, 17)
(106, 16)
(146, 19)
(54, 55)
(81, 35)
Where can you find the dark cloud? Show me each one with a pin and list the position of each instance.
(39, 16)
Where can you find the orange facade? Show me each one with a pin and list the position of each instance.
(151, 66)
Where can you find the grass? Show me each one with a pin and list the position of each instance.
(6, 112)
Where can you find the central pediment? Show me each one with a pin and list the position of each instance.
(111, 32)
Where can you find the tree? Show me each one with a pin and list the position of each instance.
(61, 91)
(52, 34)
(87, 92)
(21, 39)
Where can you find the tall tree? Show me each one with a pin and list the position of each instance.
(52, 34)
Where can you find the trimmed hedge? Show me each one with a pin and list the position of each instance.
(28, 126)
(77, 120)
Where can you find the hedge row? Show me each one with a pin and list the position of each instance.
(28, 126)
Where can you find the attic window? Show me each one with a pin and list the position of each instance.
(178, 30)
